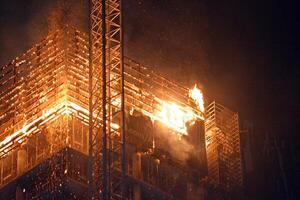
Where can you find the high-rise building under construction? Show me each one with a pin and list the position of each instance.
(144, 137)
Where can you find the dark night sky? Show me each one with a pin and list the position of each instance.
(243, 53)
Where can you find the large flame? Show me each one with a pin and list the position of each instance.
(197, 95)
(175, 116)
(172, 115)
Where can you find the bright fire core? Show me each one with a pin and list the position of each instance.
(177, 117)
(168, 113)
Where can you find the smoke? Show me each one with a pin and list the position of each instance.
(174, 46)
(186, 149)
(71, 12)
(179, 148)
(175, 144)
(28, 22)
(59, 15)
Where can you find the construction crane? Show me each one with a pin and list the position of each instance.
(62, 106)
(106, 103)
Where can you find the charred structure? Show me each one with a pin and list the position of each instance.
(52, 125)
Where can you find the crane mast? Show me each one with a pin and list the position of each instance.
(106, 101)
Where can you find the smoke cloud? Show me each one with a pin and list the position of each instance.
(179, 148)
(175, 144)
(71, 12)
(28, 22)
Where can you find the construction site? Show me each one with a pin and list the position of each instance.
(81, 120)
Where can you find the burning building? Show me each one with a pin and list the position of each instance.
(175, 149)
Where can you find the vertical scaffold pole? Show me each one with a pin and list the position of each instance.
(107, 168)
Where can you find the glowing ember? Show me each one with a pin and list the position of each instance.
(197, 95)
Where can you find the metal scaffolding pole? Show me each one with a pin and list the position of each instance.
(104, 103)
(106, 89)
(123, 102)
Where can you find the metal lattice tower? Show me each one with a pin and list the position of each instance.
(62, 102)
(223, 146)
(106, 106)
(47, 121)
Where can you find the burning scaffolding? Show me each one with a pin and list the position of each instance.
(44, 98)
(53, 113)
(51, 80)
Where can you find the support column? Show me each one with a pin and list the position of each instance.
(137, 173)
(20, 194)
(195, 191)
(21, 161)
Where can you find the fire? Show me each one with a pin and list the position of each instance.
(197, 95)
(48, 115)
(175, 116)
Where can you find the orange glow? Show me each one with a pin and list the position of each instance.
(197, 95)
(175, 116)
(48, 115)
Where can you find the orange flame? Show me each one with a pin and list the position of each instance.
(197, 95)
(175, 116)
(171, 114)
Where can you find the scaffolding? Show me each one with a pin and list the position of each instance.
(40, 93)
(223, 147)
(44, 102)
(106, 100)
(67, 97)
